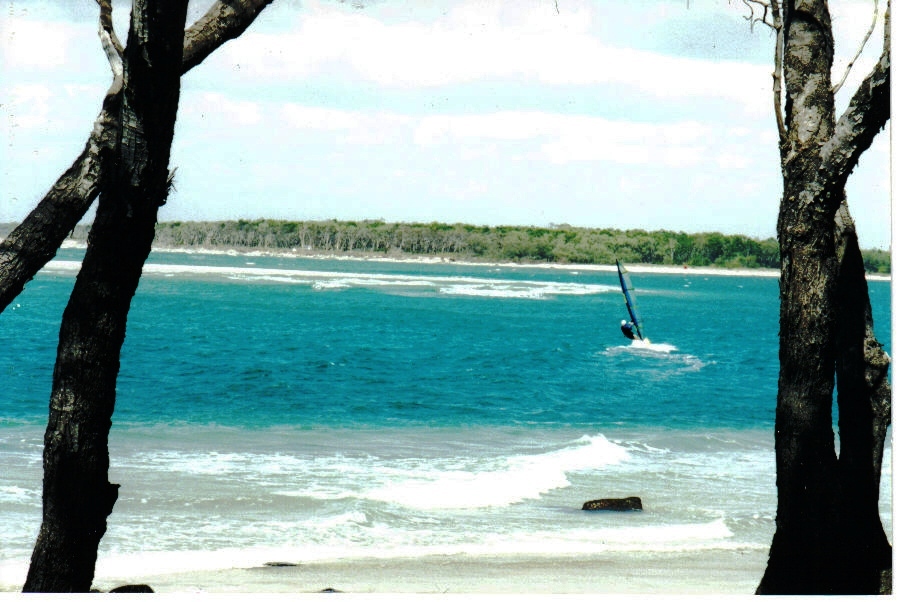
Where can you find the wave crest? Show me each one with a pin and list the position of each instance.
(506, 482)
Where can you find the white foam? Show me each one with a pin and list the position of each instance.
(59, 265)
(714, 535)
(348, 518)
(12, 493)
(499, 292)
(320, 286)
(510, 481)
(647, 345)
(421, 483)
(683, 362)
(524, 290)
(325, 280)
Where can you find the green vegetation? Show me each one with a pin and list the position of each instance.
(560, 244)
(877, 261)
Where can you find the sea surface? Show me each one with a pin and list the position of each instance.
(300, 410)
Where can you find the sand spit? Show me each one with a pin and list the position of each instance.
(429, 259)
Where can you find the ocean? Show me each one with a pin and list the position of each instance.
(278, 416)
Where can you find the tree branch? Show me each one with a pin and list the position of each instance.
(106, 25)
(224, 21)
(765, 16)
(837, 86)
(777, 75)
(111, 45)
(867, 113)
(771, 16)
(34, 242)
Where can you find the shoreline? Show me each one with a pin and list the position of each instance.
(434, 260)
(706, 572)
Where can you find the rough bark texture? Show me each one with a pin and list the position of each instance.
(828, 536)
(77, 495)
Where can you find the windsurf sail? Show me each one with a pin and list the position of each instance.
(628, 293)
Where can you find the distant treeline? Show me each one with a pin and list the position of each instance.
(560, 244)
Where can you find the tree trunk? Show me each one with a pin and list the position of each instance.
(77, 496)
(828, 538)
(806, 465)
(864, 404)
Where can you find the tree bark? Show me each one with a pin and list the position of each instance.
(77, 496)
(225, 20)
(828, 535)
(864, 404)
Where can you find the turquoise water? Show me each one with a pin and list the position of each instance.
(527, 347)
(335, 409)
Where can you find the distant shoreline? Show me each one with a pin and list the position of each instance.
(430, 259)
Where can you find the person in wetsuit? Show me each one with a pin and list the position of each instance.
(628, 329)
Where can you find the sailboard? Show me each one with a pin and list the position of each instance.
(628, 294)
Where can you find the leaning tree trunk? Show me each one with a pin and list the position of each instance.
(77, 495)
(35, 241)
(828, 535)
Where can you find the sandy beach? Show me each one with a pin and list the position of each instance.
(720, 572)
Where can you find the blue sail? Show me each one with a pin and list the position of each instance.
(628, 293)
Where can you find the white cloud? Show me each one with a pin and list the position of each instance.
(31, 44)
(533, 136)
(480, 42)
(362, 128)
(91, 91)
(731, 161)
(566, 138)
(239, 112)
(507, 125)
(318, 118)
(28, 105)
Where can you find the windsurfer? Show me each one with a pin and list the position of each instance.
(628, 329)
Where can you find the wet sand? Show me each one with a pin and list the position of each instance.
(693, 573)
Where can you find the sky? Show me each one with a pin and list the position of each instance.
(653, 114)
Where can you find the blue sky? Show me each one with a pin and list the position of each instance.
(645, 114)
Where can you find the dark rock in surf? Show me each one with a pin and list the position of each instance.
(140, 588)
(616, 504)
(280, 564)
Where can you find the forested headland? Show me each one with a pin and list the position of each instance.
(557, 243)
